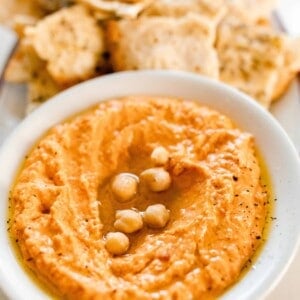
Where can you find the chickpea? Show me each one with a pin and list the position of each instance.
(157, 179)
(156, 216)
(124, 186)
(116, 243)
(160, 156)
(128, 221)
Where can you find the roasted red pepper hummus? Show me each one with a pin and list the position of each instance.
(63, 206)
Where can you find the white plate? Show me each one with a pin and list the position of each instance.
(280, 157)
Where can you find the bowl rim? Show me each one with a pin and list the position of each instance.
(156, 83)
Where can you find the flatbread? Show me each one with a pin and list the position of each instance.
(257, 8)
(212, 10)
(70, 42)
(10, 9)
(69, 46)
(19, 68)
(40, 85)
(53, 5)
(290, 67)
(40, 88)
(24, 59)
(124, 9)
(250, 11)
(178, 44)
(250, 59)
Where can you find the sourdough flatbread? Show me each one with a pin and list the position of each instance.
(250, 59)
(20, 66)
(10, 9)
(212, 10)
(53, 5)
(69, 46)
(70, 42)
(124, 9)
(40, 88)
(24, 59)
(250, 11)
(290, 67)
(257, 9)
(163, 43)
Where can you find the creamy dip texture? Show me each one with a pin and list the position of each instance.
(63, 206)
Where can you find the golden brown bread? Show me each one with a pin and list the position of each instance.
(10, 9)
(163, 43)
(250, 11)
(212, 10)
(124, 9)
(70, 42)
(150, 34)
(41, 87)
(290, 67)
(250, 57)
(53, 5)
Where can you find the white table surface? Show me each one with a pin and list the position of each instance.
(288, 113)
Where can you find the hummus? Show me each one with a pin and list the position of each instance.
(63, 205)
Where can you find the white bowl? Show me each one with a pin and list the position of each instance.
(279, 154)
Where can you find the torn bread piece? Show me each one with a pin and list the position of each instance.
(70, 42)
(163, 43)
(290, 67)
(212, 10)
(20, 65)
(124, 9)
(40, 85)
(10, 9)
(250, 11)
(250, 59)
(53, 5)
(40, 88)
(23, 60)
(257, 8)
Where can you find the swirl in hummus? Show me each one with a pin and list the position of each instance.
(63, 205)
